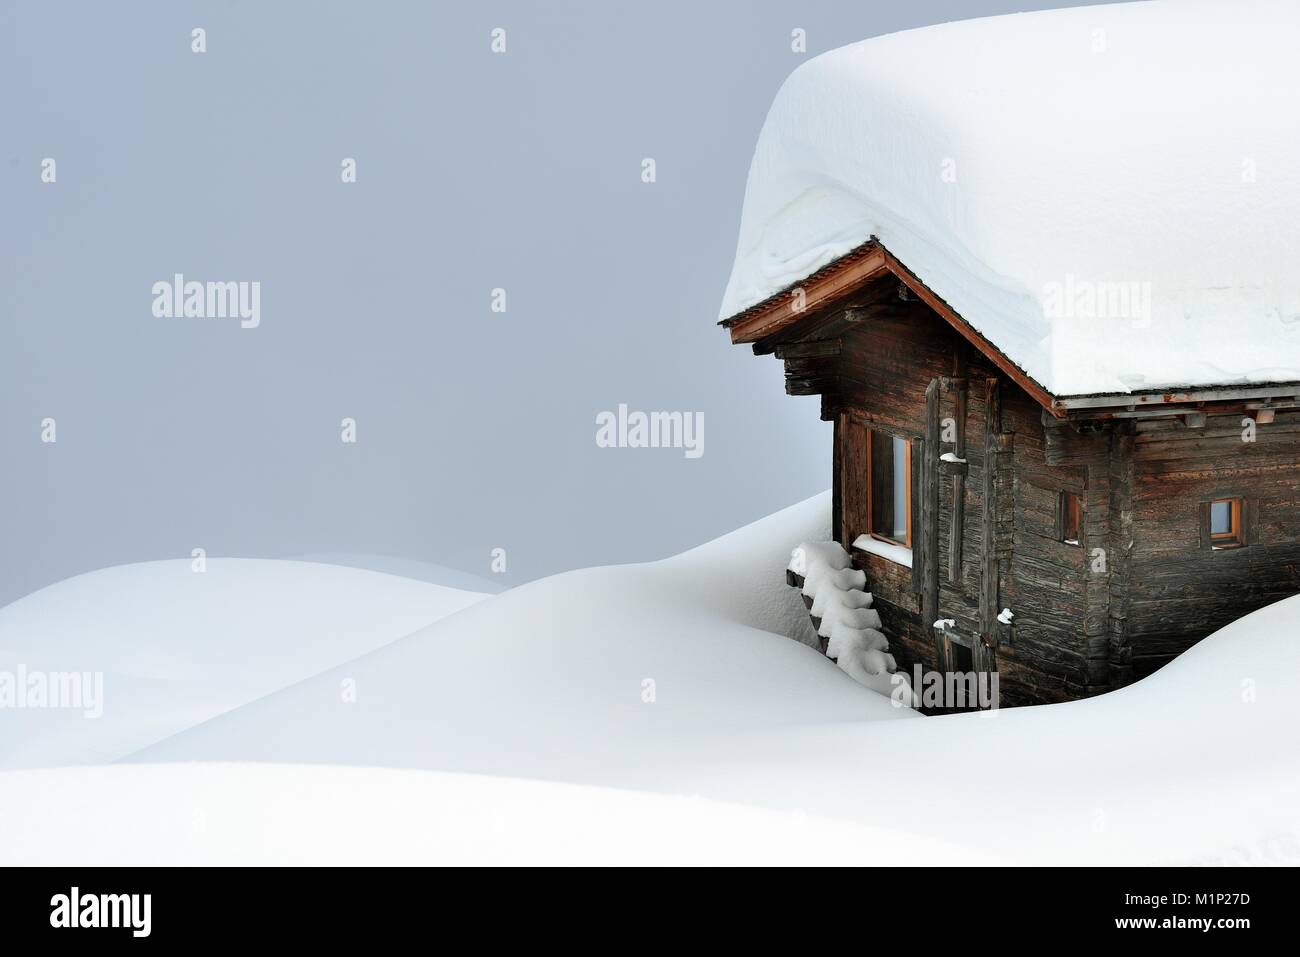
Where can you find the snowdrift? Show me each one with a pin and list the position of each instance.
(177, 647)
(675, 679)
(586, 676)
(1196, 763)
(253, 815)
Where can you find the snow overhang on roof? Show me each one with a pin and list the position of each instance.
(1108, 197)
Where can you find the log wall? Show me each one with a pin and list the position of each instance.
(1059, 646)
(1179, 589)
(1141, 585)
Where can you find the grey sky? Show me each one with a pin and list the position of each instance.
(475, 171)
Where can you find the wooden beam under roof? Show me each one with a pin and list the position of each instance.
(780, 311)
(836, 283)
(827, 296)
(1283, 393)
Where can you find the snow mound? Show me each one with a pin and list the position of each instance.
(595, 675)
(176, 646)
(848, 622)
(1067, 181)
(668, 678)
(268, 815)
(407, 568)
(1193, 764)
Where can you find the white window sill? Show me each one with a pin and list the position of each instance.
(886, 550)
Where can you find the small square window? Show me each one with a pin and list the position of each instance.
(1069, 512)
(1225, 523)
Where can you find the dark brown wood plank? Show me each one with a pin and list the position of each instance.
(929, 532)
(958, 518)
(989, 609)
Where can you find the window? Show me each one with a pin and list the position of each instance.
(1069, 512)
(889, 488)
(960, 657)
(1225, 523)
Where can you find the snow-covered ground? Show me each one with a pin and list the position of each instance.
(176, 646)
(597, 675)
(406, 568)
(649, 712)
(1066, 180)
(246, 814)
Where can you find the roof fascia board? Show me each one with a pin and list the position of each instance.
(782, 310)
(785, 309)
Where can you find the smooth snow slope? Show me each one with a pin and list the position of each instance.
(1017, 164)
(177, 647)
(408, 568)
(1197, 763)
(229, 814)
(573, 676)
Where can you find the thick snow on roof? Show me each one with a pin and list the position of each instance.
(1109, 194)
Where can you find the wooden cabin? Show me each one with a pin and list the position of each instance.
(1118, 530)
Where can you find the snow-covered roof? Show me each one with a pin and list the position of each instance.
(1108, 194)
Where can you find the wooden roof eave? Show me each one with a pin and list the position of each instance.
(840, 279)
(1191, 404)
(1253, 396)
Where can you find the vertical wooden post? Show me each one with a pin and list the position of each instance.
(837, 484)
(853, 448)
(930, 520)
(1120, 651)
(989, 523)
(916, 455)
(957, 526)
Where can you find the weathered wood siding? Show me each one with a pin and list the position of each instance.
(1059, 648)
(1060, 642)
(1141, 585)
(1179, 590)
(882, 373)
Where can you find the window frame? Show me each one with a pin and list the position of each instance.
(1064, 501)
(1235, 537)
(907, 485)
